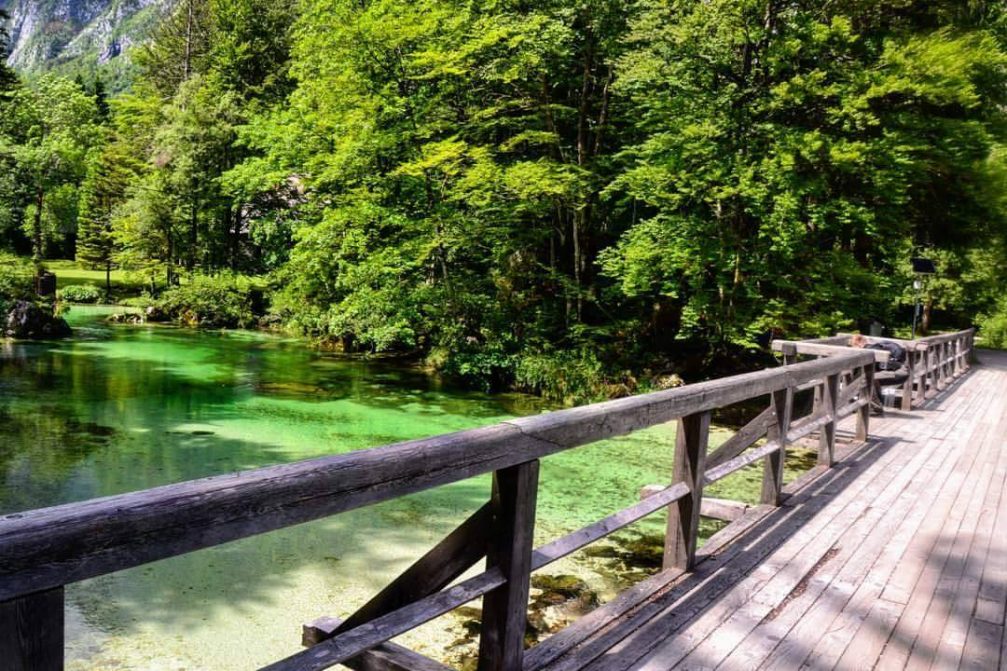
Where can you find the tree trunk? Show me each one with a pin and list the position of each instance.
(108, 278)
(36, 228)
(928, 305)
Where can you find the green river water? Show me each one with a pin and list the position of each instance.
(121, 408)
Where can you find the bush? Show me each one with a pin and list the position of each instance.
(81, 293)
(16, 281)
(211, 302)
(993, 328)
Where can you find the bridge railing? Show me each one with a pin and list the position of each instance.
(932, 362)
(43, 550)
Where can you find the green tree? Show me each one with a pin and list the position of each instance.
(103, 190)
(46, 139)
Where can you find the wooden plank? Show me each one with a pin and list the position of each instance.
(742, 439)
(797, 629)
(434, 571)
(54, 546)
(767, 606)
(352, 643)
(385, 657)
(772, 476)
(505, 609)
(818, 349)
(983, 647)
(925, 559)
(662, 617)
(664, 661)
(864, 415)
(712, 508)
(31, 632)
(574, 541)
(682, 535)
(828, 396)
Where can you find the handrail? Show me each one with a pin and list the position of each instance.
(932, 361)
(42, 550)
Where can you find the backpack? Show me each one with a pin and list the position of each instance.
(896, 355)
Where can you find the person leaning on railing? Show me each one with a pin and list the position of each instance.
(893, 372)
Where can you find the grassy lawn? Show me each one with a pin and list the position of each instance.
(71, 272)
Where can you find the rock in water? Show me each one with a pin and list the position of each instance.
(27, 320)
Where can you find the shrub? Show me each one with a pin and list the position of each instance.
(16, 280)
(81, 293)
(211, 302)
(993, 328)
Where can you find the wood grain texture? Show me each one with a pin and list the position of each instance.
(689, 468)
(505, 609)
(31, 632)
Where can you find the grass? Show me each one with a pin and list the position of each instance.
(71, 272)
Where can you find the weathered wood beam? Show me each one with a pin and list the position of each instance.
(682, 535)
(434, 571)
(350, 644)
(385, 657)
(742, 439)
(772, 479)
(712, 508)
(817, 349)
(505, 609)
(574, 541)
(31, 632)
(829, 396)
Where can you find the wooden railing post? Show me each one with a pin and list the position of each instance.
(505, 609)
(682, 535)
(829, 393)
(31, 632)
(864, 411)
(772, 474)
(907, 388)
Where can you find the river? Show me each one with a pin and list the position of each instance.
(122, 408)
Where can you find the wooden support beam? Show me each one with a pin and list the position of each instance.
(864, 412)
(794, 347)
(434, 571)
(742, 439)
(505, 609)
(907, 386)
(829, 393)
(31, 632)
(725, 510)
(385, 657)
(683, 516)
(772, 477)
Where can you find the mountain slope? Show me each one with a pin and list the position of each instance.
(79, 36)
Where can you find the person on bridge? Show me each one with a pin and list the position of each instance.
(889, 373)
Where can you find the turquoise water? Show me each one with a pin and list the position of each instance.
(121, 408)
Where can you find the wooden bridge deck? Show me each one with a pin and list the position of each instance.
(895, 558)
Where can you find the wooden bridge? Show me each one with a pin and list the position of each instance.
(890, 554)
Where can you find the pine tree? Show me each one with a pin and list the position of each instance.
(103, 189)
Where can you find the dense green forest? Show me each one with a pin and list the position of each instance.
(575, 197)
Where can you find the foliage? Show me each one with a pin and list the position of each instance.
(16, 281)
(47, 130)
(992, 326)
(555, 195)
(81, 293)
(210, 302)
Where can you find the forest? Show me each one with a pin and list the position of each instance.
(571, 197)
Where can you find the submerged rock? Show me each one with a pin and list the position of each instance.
(28, 320)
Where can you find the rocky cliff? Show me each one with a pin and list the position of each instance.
(76, 34)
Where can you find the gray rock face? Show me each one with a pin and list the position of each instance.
(27, 320)
(44, 32)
